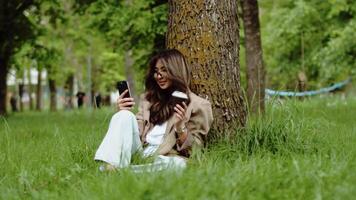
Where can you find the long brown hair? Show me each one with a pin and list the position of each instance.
(178, 72)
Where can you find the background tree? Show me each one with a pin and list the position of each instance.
(48, 59)
(51, 52)
(255, 72)
(206, 32)
(134, 30)
(21, 63)
(42, 50)
(15, 29)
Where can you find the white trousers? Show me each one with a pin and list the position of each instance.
(122, 140)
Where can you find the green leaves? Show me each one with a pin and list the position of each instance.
(311, 36)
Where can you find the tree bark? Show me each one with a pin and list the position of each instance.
(129, 65)
(11, 20)
(30, 89)
(39, 91)
(129, 75)
(3, 85)
(254, 59)
(5, 49)
(206, 32)
(70, 92)
(53, 94)
(21, 90)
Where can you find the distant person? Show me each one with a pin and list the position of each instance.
(98, 100)
(13, 103)
(163, 128)
(80, 98)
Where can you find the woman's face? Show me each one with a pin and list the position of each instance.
(161, 75)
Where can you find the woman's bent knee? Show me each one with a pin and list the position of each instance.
(124, 115)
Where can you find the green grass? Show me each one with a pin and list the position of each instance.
(300, 150)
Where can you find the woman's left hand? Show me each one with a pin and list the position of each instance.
(179, 111)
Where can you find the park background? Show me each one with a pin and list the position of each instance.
(296, 148)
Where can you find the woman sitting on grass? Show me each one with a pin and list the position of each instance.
(164, 127)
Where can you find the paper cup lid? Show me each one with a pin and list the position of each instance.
(181, 95)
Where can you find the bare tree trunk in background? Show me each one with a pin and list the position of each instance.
(3, 85)
(52, 88)
(30, 88)
(129, 75)
(39, 90)
(254, 59)
(129, 65)
(89, 79)
(70, 92)
(302, 83)
(69, 85)
(21, 90)
(207, 33)
(53, 94)
(5, 54)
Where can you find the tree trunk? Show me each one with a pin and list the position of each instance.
(69, 92)
(206, 32)
(129, 75)
(129, 65)
(5, 49)
(39, 91)
(21, 90)
(254, 60)
(89, 79)
(5, 54)
(53, 94)
(3, 85)
(30, 89)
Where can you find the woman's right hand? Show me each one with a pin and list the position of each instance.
(124, 103)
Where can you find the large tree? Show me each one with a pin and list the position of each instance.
(15, 29)
(206, 32)
(254, 61)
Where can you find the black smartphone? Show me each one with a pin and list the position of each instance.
(121, 86)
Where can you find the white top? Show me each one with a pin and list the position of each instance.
(154, 138)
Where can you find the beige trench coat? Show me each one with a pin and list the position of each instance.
(199, 118)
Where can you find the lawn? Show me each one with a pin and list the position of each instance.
(300, 150)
